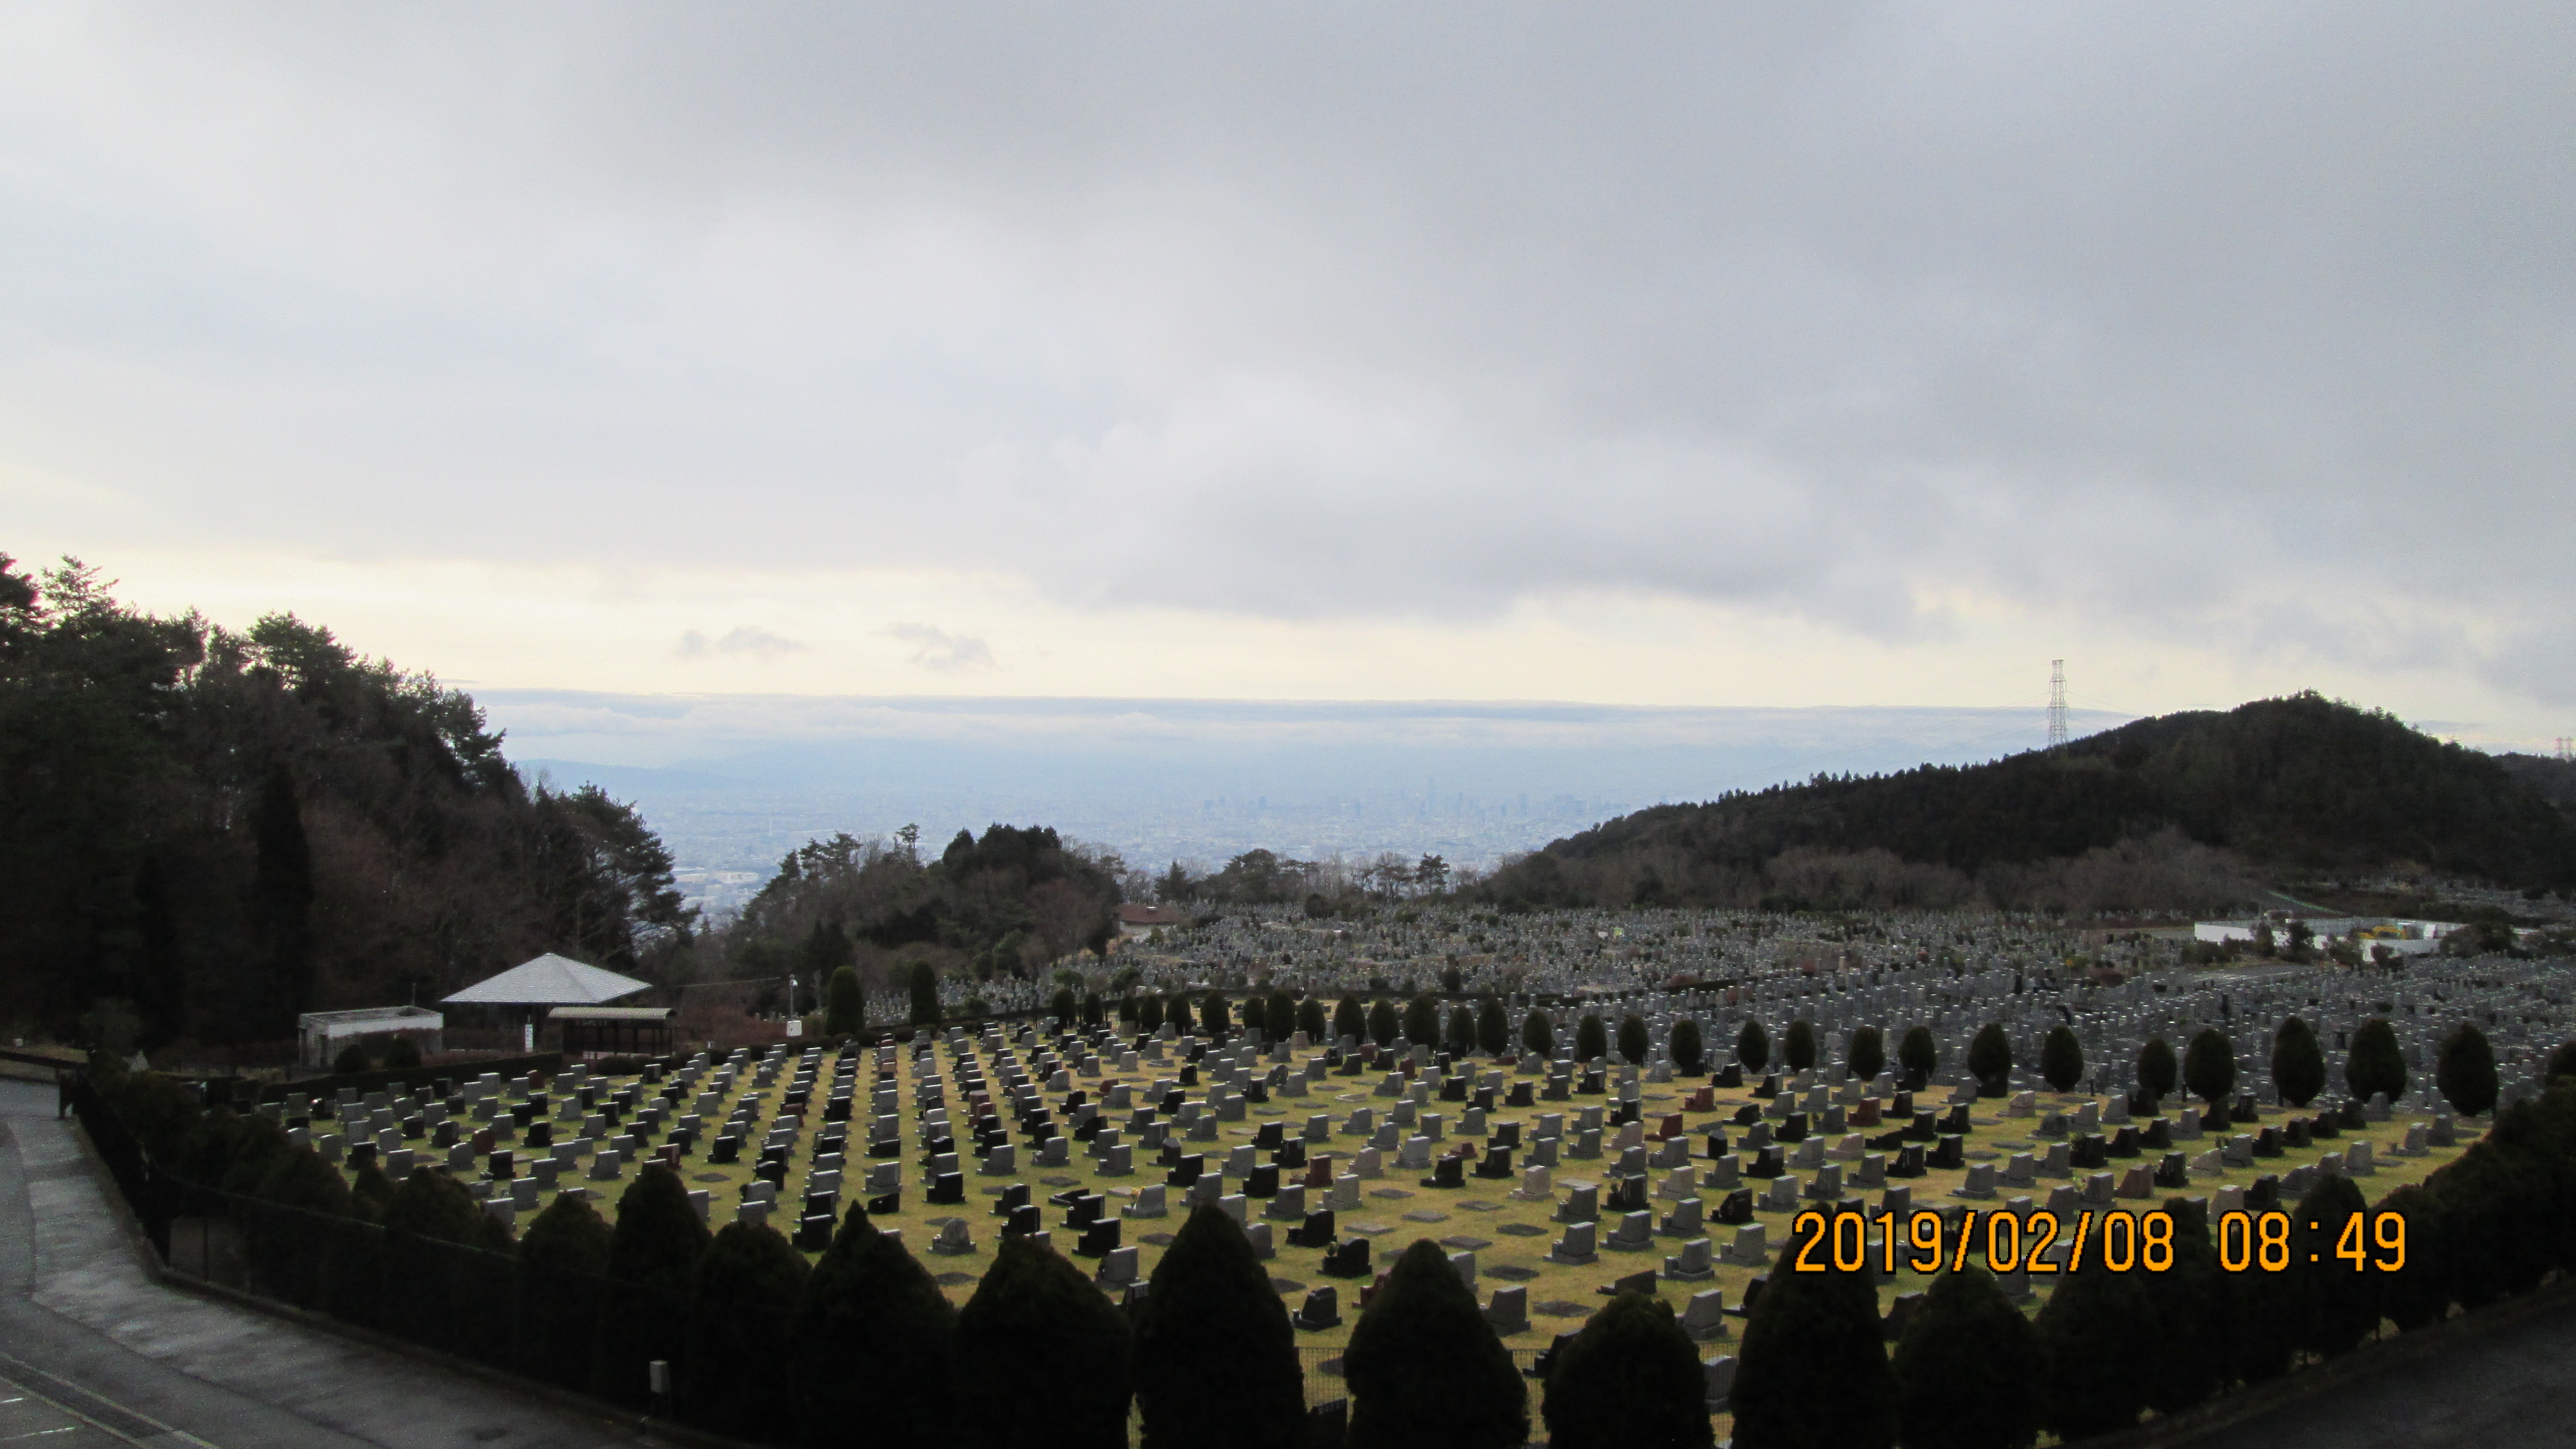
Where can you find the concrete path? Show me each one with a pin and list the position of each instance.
(2511, 1388)
(95, 1352)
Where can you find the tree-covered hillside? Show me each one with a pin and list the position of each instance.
(221, 830)
(2161, 811)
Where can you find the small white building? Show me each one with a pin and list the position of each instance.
(2401, 937)
(319, 1035)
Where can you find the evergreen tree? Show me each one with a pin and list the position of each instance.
(1256, 1012)
(1214, 1018)
(1630, 1378)
(1968, 1369)
(1990, 1060)
(2298, 1064)
(1176, 1015)
(1493, 1027)
(1149, 1014)
(924, 988)
(1063, 1006)
(1814, 1368)
(2061, 1059)
(1916, 1051)
(2373, 1063)
(2088, 1334)
(735, 1379)
(1867, 1056)
(652, 1262)
(1350, 1019)
(2466, 1071)
(845, 1005)
(2562, 1062)
(1042, 1356)
(873, 1343)
(2157, 1069)
(303, 1203)
(258, 1146)
(1216, 1358)
(1422, 1020)
(427, 1221)
(1425, 1368)
(1311, 1020)
(1279, 1016)
(1382, 1022)
(2209, 1066)
(563, 1265)
(1538, 1037)
(370, 1191)
(1093, 1013)
(1685, 1046)
(282, 902)
(1753, 1046)
(1798, 1049)
(2338, 1306)
(2189, 1365)
(1633, 1044)
(2418, 1293)
(1591, 1042)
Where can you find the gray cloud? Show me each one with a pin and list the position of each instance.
(2226, 322)
(942, 652)
(743, 639)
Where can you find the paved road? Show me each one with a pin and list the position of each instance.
(2512, 1388)
(94, 1352)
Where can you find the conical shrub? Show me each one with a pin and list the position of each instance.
(1042, 1356)
(1629, 1380)
(1425, 1368)
(1216, 1358)
(874, 1347)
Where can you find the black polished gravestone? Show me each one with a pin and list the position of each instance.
(947, 1188)
(1736, 1208)
(1099, 1239)
(1956, 1122)
(2088, 1151)
(1187, 1170)
(1291, 1153)
(1347, 1259)
(2174, 1170)
(1717, 1147)
(1263, 1181)
(1495, 1164)
(814, 1232)
(1453, 1089)
(1316, 1232)
(1627, 1194)
(1447, 1172)
(1727, 1078)
(725, 1151)
(1023, 1221)
(886, 1204)
(2263, 1193)
(1268, 1138)
(1519, 1096)
(2123, 1143)
(1768, 1162)
(2267, 1143)
(1949, 1154)
(1909, 1161)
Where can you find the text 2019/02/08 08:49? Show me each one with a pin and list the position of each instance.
(2123, 1241)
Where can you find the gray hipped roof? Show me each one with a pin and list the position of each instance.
(549, 980)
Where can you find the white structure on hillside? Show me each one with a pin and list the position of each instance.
(320, 1034)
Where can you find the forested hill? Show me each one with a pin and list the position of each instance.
(204, 833)
(2163, 810)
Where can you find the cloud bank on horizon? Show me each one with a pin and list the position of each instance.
(1677, 355)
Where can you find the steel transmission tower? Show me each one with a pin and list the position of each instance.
(2056, 703)
(2567, 747)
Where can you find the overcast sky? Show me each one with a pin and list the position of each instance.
(1709, 355)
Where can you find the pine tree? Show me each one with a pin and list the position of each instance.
(563, 1267)
(1591, 1042)
(1867, 1056)
(1063, 1006)
(1493, 1027)
(1685, 1046)
(2373, 1064)
(924, 988)
(2158, 1071)
(2088, 1334)
(1256, 1012)
(1214, 1019)
(1916, 1051)
(2209, 1067)
(1311, 1020)
(1753, 1046)
(1538, 1037)
(1422, 1020)
(845, 1005)
(1216, 1358)
(2298, 1064)
(735, 1371)
(1990, 1060)
(1798, 1049)
(2338, 1306)
(652, 1261)
(1350, 1019)
(282, 902)
(1149, 1014)
(1814, 1369)
(1633, 1044)
(873, 1344)
(1968, 1369)
(1042, 1356)
(2061, 1059)
(1630, 1378)
(2466, 1071)
(1176, 1015)
(1458, 1034)
(1425, 1368)
(1279, 1018)
(2418, 1293)
(1382, 1022)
